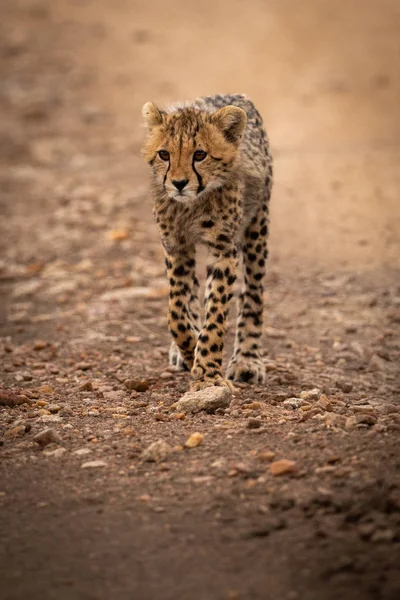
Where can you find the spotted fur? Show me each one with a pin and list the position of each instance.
(212, 178)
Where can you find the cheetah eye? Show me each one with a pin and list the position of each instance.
(199, 155)
(163, 154)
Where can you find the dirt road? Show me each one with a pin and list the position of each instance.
(83, 309)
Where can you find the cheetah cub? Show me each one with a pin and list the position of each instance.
(211, 182)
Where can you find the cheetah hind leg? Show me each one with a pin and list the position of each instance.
(246, 364)
(175, 358)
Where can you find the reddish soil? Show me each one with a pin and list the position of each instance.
(83, 309)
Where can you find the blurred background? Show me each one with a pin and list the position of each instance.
(75, 73)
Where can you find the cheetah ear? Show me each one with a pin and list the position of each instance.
(232, 121)
(152, 115)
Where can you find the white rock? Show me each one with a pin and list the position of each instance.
(82, 451)
(93, 464)
(47, 436)
(57, 453)
(293, 403)
(49, 419)
(157, 451)
(313, 394)
(208, 399)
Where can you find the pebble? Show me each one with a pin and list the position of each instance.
(363, 408)
(335, 420)
(253, 423)
(376, 364)
(45, 389)
(252, 406)
(266, 455)
(194, 440)
(208, 400)
(56, 453)
(47, 436)
(313, 394)
(82, 451)
(366, 419)
(49, 419)
(350, 423)
(389, 409)
(8, 398)
(54, 408)
(83, 366)
(383, 535)
(156, 452)
(282, 467)
(345, 386)
(293, 403)
(93, 464)
(325, 403)
(16, 431)
(86, 387)
(139, 385)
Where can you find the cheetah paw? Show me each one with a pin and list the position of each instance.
(175, 358)
(249, 370)
(198, 385)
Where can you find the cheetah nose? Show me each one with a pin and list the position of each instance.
(180, 184)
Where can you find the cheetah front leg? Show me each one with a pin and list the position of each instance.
(175, 357)
(183, 309)
(246, 364)
(207, 367)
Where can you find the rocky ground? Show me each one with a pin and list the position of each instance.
(109, 490)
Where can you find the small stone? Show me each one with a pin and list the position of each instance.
(54, 408)
(350, 423)
(252, 406)
(156, 452)
(266, 456)
(49, 419)
(366, 419)
(56, 453)
(139, 385)
(8, 398)
(366, 530)
(45, 389)
(293, 403)
(83, 366)
(376, 364)
(389, 409)
(208, 400)
(313, 394)
(93, 464)
(325, 403)
(118, 235)
(16, 431)
(180, 416)
(40, 345)
(82, 451)
(382, 536)
(335, 420)
(47, 436)
(253, 423)
(345, 386)
(194, 440)
(363, 408)
(282, 467)
(86, 387)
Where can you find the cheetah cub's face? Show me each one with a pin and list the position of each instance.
(190, 150)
